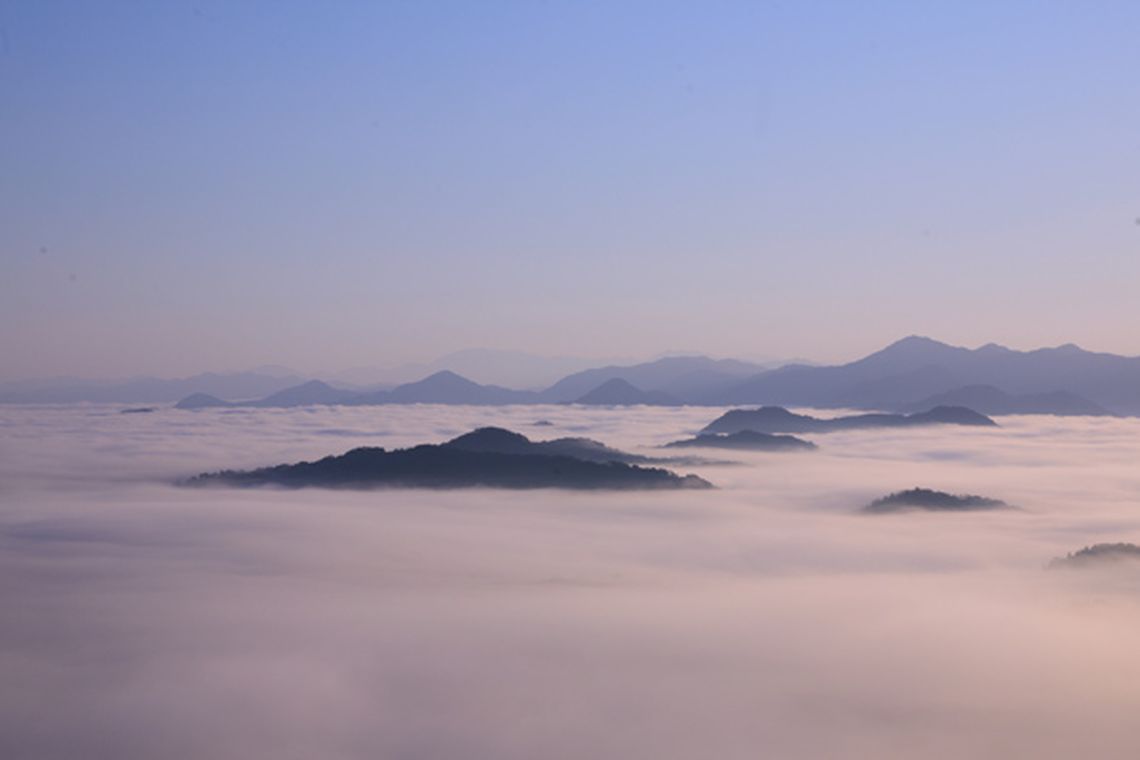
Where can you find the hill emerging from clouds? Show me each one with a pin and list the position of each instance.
(776, 419)
(487, 457)
(929, 500)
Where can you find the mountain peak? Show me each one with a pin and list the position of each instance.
(618, 391)
(910, 353)
(445, 375)
(915, 343)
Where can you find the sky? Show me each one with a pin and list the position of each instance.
(189, 186)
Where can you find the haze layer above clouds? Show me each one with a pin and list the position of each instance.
(763, 619)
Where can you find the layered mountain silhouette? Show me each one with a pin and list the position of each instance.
(678, 377)
(446, 387)
(916, 368)
(489, 457)
(776, 419)
(932, 501)
(910, 375)
(440, 388)
(146, 390)
(619, 392)
(745, 440)
(512, 369)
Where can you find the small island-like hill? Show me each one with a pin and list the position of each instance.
(777, 419)
(1099, 555)
(932, 501)
(488, 457)
(745, 440)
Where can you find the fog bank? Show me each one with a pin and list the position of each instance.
(767, 618)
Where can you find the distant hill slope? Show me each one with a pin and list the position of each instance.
(201, 401)
(511, 369)
(618, 392)
(311, 393)
(440, 388)
(990, 400)
(680, 377)
(918, 368)
(776, 419)
(456, 465)
(446, 387)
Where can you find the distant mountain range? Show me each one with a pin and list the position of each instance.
(514, 369)
(916, 371)
(911, 375)
(680, 378)
(146, 390)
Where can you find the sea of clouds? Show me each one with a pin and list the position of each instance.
(764, 619)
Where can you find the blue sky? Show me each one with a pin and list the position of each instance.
(200, 185)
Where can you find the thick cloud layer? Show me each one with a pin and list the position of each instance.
(764, 619)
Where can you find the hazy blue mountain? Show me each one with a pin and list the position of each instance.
(452, 465)
(745, 440)
(201, 401)
(237, 385)
(447, 388)
(776, 419)
(511, 369)
(619, 392)
(307, 394)
(932, 501)
(917, 368)
(680, 377)
(440, 388)
(990, 400)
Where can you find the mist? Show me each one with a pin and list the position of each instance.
(767, 618)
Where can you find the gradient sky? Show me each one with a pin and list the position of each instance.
(195, 185)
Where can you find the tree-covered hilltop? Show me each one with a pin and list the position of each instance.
(932, 501)
(461, 464)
